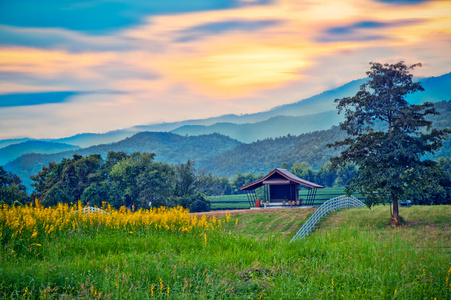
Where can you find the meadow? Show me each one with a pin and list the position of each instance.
(61, 253)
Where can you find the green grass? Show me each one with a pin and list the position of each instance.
(351, 255)
(322, 195)
(236, 199)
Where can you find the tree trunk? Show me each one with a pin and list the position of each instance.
(395, 207)
(395, 220)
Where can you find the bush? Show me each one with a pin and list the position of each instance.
(196, 203)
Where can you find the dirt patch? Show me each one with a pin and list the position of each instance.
(233, 212)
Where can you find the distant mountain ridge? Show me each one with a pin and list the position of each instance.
(273, 127)
(13, 151)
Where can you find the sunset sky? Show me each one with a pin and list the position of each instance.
(68, 67)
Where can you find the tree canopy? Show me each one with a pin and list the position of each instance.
(387, 137)
(11, 188)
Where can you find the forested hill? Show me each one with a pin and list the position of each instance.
(267, 154)
(168, 147)
(262, 156)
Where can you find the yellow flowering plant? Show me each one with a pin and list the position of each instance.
(23, 228)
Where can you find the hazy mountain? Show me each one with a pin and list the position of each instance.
(273, 127)
(5, 143)
(13, 151)
(435, 89)
(91, 139)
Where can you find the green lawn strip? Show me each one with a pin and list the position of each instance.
(322, 195)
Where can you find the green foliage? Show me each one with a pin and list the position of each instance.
(242, 179)
(388, 153)
(11, 188)
(65, 182)
(141, 180)
(435, 189)
(326, 175)
(120, 180)
(212, 185)
(186, 179)
(195, 203)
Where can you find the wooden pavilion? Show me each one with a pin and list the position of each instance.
(281, 186)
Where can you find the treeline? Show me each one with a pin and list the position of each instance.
(137, 180)
(132, 180)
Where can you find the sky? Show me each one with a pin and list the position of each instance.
(69, 67)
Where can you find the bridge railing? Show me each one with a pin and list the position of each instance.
(327, 207)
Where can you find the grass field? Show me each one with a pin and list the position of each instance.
(229, 201)
(169, 255)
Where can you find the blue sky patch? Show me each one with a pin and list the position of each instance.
(98, 17)
(25, 99)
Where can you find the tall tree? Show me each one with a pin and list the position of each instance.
(65, 181)
(11, 188)
(186, 179)
(387, 137)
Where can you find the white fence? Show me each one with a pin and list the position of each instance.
(327, 207)
(90, 209)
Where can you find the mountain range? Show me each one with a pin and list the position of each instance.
(227, 144)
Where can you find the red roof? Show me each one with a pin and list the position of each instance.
(280, 173)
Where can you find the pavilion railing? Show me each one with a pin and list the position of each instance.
(327, 207)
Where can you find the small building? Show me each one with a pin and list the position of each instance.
(281, 186)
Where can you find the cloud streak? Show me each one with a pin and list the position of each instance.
(147, 62)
